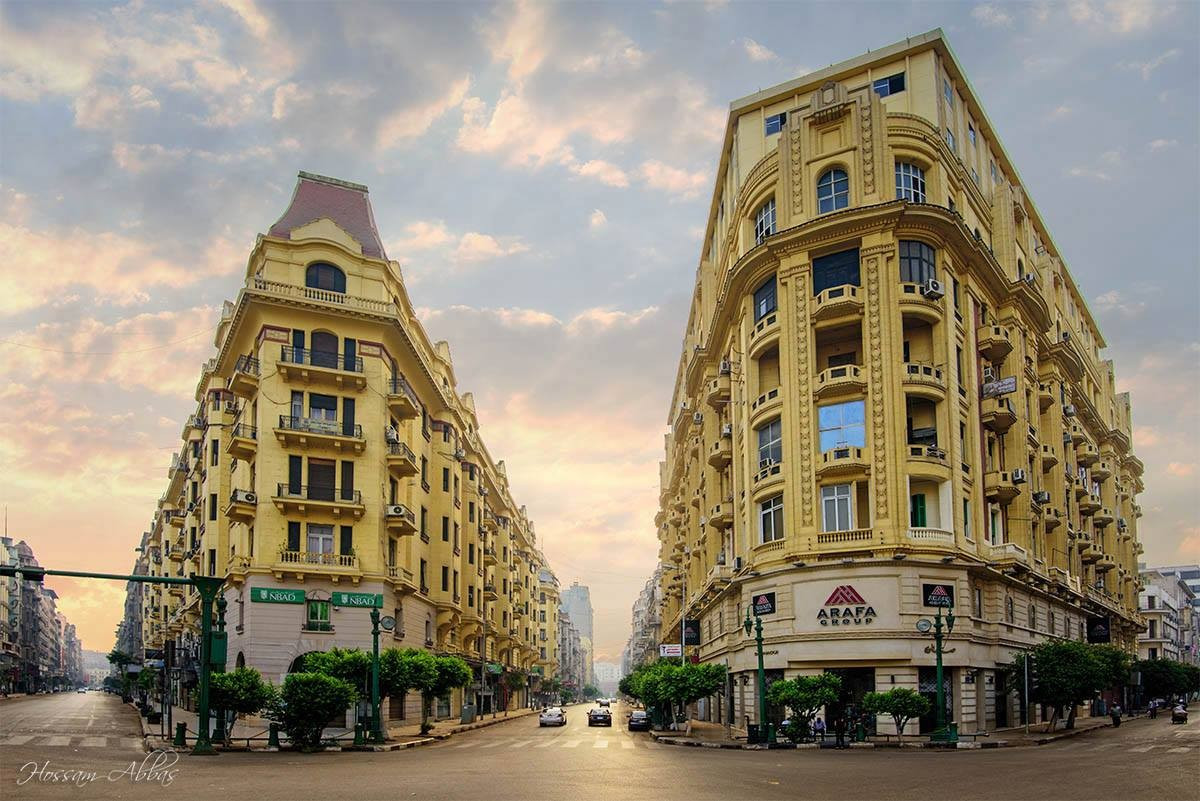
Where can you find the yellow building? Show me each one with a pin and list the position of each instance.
(331, 459)
(889, 381)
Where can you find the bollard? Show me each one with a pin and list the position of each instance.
(273, 736)
(180, 740)
(358, 734)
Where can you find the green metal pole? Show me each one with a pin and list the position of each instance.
(208, 587)
(762, 681)
(376, 723)
(941, 692)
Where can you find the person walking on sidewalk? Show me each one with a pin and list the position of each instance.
(819, 729)
(1153, 709)
(1115, 711)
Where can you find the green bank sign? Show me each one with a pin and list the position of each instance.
(367, 600)
(268, 595)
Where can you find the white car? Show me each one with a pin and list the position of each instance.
(552, 716)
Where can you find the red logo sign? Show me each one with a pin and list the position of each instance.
(844, 595)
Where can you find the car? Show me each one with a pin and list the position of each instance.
(639, 720)
(600, 716)
(552, 716)
(603, 702)
(82, 690)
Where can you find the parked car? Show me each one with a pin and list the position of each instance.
(552, 716)
(600, 716)
(639, 720)
(82, 690)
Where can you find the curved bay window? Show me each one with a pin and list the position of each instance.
(910, 182)
(325, 276)
(764, 299)
(842, 425)
(833, 191)
(764, 222)
(918, 262)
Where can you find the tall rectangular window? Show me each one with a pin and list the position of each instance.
(445, 479)
(916, 511)
(950, 141)
(837, 512)
(967, 517)
(770, 442)
(445, 578)
(320, 539)
(764, 299)
(842, 425)
(918, 262)
(910, 182)
(212, 506)
(774, 123)
(346, 541)
(445, 529)
(770, 519)
(317, 616)
(764, 222)
(947, 92)
(216, 452)
(835, 269)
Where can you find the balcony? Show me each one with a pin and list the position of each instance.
(768, 471)
(319, 432)
(244, 381)
(401, 461)
(1049, 457)
(925, 380)
(402, 399)
(1088, 552)
(995, 342)
(489, 592)
(1103, 517)
(717, 391)
(840, 537)
(836, 302)
(1051, 518)
(175, 517)
(928, 455)
(1008, 554)
(846, 379)
(1105, 563)
(913, 301)
(721, 515)
(322, 297)
(489, 556)
(310, 560)
(1077, 434)
(402, 577)
(764, 403)
(997, 414)
(999, 487)
(1087, 454)
(302, 499)
(1089, 503)
(1081, 487)
(320, 367)
(764, 334)
(844, 460)
(243, 441)
(721, 453)
(1136, 509)
(1102, 470)
(400, 519)
(936, 537)
(1045, 395)
(242, 507)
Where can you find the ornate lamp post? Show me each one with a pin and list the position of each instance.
(923, 626)
(766, 730)
(376, 723)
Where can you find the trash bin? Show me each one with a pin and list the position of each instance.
(468, 713)
(752, 734)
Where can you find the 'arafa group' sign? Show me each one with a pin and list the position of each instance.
(845, 607)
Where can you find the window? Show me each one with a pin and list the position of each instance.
(1032, 616)
(770, 442)
(320, 540)
(975, 176)
(212, 506)
(995, 527)
(216, 452)
(950, 141)
(764, 221)
(918, 262)
(322, 407)
(947, 92)
(833, 191)
(971, 132)
(317, 617)
(445, 529)
(470, 553)
(774, 123)
(978, 599)
(837, 513)
(1010, 610)
(889, 85)
(836, 269)
(916, 512)
(764, 299)
(445, 479)
(445, 578)
(770, 519)
(841, 425)
(995, 174)
(967, 517)
(910, 182)
(325, 276)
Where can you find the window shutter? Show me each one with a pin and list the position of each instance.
(348, 417)
(347, 541)
(917, 516)
(350, 353)
(297, 339)
(295, 474)
(293, 535)
(347, 481)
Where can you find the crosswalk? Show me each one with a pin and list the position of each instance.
(624, 743)
(1168, 747)
(69, 741)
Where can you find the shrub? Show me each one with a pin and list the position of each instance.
(241, 691)
(309, 701)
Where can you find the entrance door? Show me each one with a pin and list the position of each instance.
(1001, 700)
(856, 682)
(927, 686)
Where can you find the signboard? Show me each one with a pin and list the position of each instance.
(1098, 629)
(271, 595)
(764, 603)
(495, 667)
(366, 600)
(670, 649)
(691, 632)
(1004, 386)
(938, 594)
(846, 607)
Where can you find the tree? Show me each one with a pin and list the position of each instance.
(1116, 663)
(805, 696)
(310, 700)
(902, 703)
(669, 685)
(1166, 678)
(351, 665)
(241, 691)
(628, 688)
(1067, 674)
(591, 691)
(120, 660)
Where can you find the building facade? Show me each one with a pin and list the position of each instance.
(332, 461)
(39, 648)
(890, 383)
(577, 602)
(1168, 605)
(572, 657)
(646, 620)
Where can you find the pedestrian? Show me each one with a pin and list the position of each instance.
(819, 728)
(839, 729)
(1153, 709)
(1115, 711)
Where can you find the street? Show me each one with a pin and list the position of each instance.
(92, 733)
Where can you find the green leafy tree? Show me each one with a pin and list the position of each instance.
(628, 687)
(1066, 672)
(241, 691)
(902, 703)
(591, 691)
(1166, 678)
(309, 701)
(514, 680)
(351, 665)
(1116, 663)
(568, 695)
(805, 696)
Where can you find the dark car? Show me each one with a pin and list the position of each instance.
(639, 720)
(600, 716)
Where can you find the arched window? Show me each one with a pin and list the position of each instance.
(918, 262)
(910, 182)
(325, 276)
(324, 349)
(833, 191)
(764, 222)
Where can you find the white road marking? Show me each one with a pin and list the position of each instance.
(1179, 750)
(600, 744)
(549, 742)
(132, 742)
(520, 743)
(572, 743)
(58, 741)
(493, 744)
(1141, 749)
(467, 744)
(627, 744)
(94, 742)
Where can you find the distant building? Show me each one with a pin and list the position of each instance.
(1168, 605)
(608, 675)
(577, 602)
(647, 617)
(39, 648)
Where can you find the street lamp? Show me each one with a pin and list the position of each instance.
(923, 626)
(765, 727)
(376, 723)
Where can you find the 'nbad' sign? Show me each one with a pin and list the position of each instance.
(845, 607)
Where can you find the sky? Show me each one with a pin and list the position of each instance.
(542, 173)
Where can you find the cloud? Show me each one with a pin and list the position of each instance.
(251, 16)
(602, 171)
(476, 247)
(1118, 302)
(1119, 16)
(1181, 469)
(421, 235)
(1162, 144)
(520, 39)
(1147, 68)
(1061, 112)
(757, 52)
(991, 16)
(597, 220)
(673, 180)
(409, 123)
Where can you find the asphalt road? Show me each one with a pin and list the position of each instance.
(1143, 759)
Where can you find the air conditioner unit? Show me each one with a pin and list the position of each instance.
(727, 430)
(394, 510)
(933, 289)
(483, 491)
(1121, 524)
(683, 405)
(989, 374)
(721, 558)
(1041, 497)
(391, 434)
(697, 418)
(231, 407)
(1069, 410)
(737, 563)
(460, 454)
(191, 507)
(1066, 336)
(1019, 476)
(244, 496)
(726, 367)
